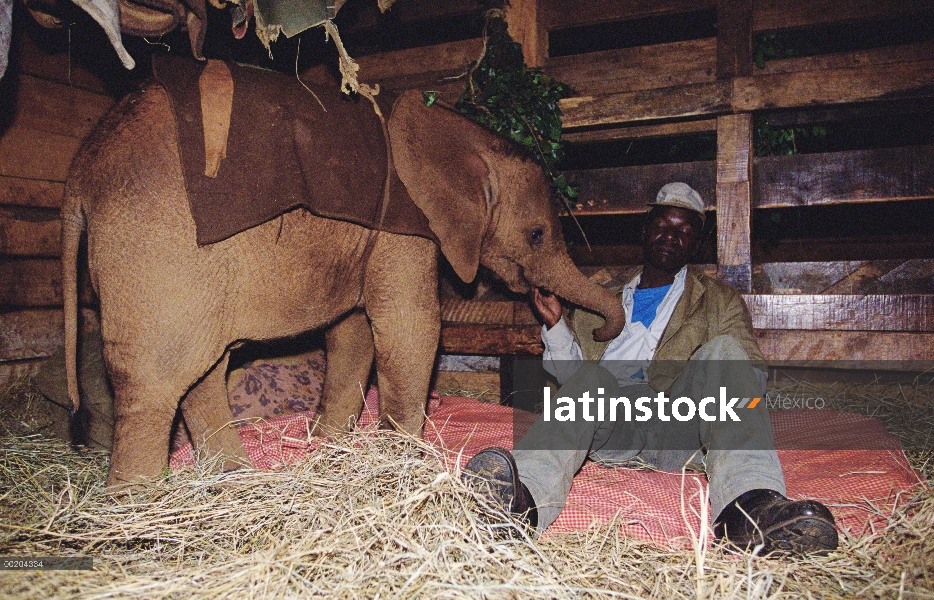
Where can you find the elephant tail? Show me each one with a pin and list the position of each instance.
(72, 226)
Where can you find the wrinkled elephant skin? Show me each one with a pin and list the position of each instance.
(171, 310)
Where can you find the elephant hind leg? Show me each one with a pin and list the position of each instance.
(143, 415)
(209, 421)
(349, 362)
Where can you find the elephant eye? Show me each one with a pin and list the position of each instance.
(536, 236)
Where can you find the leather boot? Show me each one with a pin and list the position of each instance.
(780, 524)
(493, 472)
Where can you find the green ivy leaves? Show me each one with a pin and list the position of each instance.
(517, 102)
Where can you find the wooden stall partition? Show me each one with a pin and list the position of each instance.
(56, 106)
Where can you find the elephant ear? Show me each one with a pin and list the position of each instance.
(442, 158)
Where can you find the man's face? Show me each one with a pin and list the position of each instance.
(670, 238)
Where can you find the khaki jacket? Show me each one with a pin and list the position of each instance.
(707, 308)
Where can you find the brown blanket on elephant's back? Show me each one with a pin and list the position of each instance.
(285, 151)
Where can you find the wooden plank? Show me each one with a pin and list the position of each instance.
(451, 58)
(846, 346)
(30, 282)
(37, 282)
(701, 99)
(466, 338)
(734, 200)
(45, 105)
(33, 154)
(849, 60)
(56, 67)
(834, 86)
(457, 310)
(776, 345)
(863, 278)
(914, 312)
(30, 232)
(563, 14)
(31, 192)
(642, 131)
(849, 112)
(802, 277)
(770, 15)
(13, 372)
(626, 190)
(33, 333)
(37, 332)
(525, 27)
(880, 174)
(734, 38)
(639, 68)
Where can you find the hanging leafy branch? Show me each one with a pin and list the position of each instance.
(517, 102)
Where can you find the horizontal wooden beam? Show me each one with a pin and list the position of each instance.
(33, 154)
(639, 68)
(402, 66)
(882, 174)
(30, 231)
(626, 190)
(56, 67)
(842, 312)
(771, 15)
(700, 99)
(31, 192)
(45, 105)
(868, 82)
(564, 14)
(813, 312)
(470, 338)
(497, 312)
(833, 86)
(37, 332)
(883, 348)
(37, 282)
(850, 60)
(886, 349)
(642, 131)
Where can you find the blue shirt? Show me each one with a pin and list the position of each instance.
(645, 303)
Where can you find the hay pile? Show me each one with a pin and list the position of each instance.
(376, 514)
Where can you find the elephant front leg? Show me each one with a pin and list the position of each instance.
(401, 296)
(349, 361)
(207, 415)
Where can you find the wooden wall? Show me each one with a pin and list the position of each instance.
(801, 311)
(55, 108)
(813, 310)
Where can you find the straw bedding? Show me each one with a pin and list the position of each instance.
(376, 514)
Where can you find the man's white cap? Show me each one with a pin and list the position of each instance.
(681, 195)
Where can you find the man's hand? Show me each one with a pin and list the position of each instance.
(548, 307)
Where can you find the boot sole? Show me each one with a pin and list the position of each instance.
(804, 535)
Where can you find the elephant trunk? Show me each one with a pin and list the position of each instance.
(565, 280)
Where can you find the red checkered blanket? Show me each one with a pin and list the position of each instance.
(861, 487)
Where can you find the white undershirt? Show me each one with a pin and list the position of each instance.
(629, 353)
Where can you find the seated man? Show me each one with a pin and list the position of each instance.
(686, 335)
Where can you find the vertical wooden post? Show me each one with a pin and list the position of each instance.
(734, 200)
(734, 38)
(525, 26)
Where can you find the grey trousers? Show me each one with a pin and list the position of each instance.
(739, 456)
